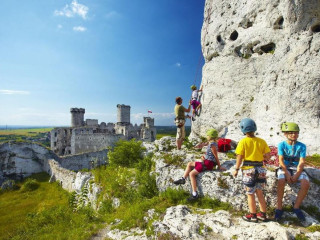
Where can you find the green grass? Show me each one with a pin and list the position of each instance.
(313, 160)
(26, 135)
(40, 210)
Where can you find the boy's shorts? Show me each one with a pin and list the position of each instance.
(303, 175)
(252, 181)
(207, 163)
(195, 103)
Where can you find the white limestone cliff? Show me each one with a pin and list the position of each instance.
(261, 61)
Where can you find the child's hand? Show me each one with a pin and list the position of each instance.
(222, 168)
(294, 178)
(235, 173)
(288, 176)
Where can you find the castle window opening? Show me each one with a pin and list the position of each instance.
(55, 144)
(55, 134)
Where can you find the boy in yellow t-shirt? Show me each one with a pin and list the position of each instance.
(252, 150)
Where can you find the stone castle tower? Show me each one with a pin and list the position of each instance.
(123, 116)
(77, 117)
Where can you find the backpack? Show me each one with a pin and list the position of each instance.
(224, 145)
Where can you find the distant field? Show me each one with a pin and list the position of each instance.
(29, 132)
(39, 135)
(171, 131)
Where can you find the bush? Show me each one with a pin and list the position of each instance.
(29, 185)
(8, 185)
(126, 153)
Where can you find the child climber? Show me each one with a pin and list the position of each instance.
(208, 162)
(194, 100)
(252, 150)
(292, 155)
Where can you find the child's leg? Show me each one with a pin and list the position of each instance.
(280, 192)
(193, 179)
(262, 201)
(189, 168)
(252, 203)
(302, 192)
(198, 107)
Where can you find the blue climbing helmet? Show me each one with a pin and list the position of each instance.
(248, 125)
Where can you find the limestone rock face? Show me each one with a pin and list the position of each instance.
(20, 160)
(261, 61)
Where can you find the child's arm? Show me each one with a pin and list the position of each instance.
(267, 156)
(200, 90)
(215, 153)
(284, 168)
(238, 164)
(300, 168)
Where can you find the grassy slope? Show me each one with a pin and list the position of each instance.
(43, 213)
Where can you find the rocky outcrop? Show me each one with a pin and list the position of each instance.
(222, 185)
(185, 222)
(261, 61)
(21, 159)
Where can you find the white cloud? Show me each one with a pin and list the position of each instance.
(59, 26)
(14, 92)
(73, 10)
(79, 29)
(178, 64)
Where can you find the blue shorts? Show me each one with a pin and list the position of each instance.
(254, 180)
(281, 174)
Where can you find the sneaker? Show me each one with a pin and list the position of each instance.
(193, 198)
(262, 216)
(299, 214)
(278, 215)
(193, 118)
(179, 181)
(251, 217)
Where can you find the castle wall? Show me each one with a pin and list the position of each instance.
(61, 140)
(88, 142)
(86, 160)
(92, 122)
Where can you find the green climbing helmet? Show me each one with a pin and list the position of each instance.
(193, 87)
(289, 127)
(213, 133)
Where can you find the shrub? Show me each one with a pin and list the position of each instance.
(187, 143)
(126, 153)
(29, 185)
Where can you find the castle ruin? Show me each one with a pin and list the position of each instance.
(88, 135)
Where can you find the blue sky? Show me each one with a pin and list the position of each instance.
(95, 54)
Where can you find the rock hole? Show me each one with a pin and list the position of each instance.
(268, 48)
(219, 39)
(234, 35)
(316, 28)
(279, 23)
(267, 107)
